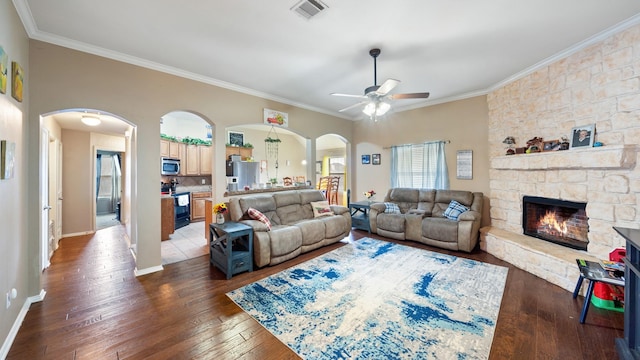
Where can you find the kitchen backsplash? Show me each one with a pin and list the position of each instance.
(189, 183)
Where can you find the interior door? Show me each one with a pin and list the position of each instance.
(44, 199)
(58, 223)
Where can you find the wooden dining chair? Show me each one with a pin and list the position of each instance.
(323, 185)
(334, 189)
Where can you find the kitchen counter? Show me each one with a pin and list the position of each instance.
(270, 190)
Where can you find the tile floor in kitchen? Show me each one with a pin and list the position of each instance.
(185, 243)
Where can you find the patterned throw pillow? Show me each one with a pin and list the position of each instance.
(454, 210)
(321, 208)
(391, 208)
(257, 215)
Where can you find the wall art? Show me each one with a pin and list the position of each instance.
(375, 159)
(17, 81)
(464, 163)
(4, 64)
(366, 159)
(7, 158)
(276, 118)
(235, 138)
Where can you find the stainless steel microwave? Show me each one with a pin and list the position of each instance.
(170, 166)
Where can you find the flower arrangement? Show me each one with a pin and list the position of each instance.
(369, 194)
(220, 208)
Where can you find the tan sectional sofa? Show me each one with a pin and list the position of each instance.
(422, 219)
(294, 229)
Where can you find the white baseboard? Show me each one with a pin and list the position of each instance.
(77, 234)
(4, 351)
(146, 271)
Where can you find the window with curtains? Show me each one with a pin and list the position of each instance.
(420, 166)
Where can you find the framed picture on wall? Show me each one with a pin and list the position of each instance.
(17, 81)
(375, 159)
(464, 164)
(235, 138)
(366, 159)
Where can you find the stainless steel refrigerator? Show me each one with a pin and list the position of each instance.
(247, 172)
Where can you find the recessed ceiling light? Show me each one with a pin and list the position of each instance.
(90, 121)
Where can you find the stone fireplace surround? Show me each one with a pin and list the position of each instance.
(597, 83)
(575, 175)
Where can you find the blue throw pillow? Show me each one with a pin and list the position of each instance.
(391, 208)
(454, 210)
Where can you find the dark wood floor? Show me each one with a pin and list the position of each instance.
(95, 308)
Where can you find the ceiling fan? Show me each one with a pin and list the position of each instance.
(376, 97)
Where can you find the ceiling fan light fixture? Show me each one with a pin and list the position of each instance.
(90, 120)
(378, 108)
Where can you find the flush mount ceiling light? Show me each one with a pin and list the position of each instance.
(90, 120)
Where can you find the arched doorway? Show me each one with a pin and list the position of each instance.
(68, 158)
(332, 161)
(186, 138)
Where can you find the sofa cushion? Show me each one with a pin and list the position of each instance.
(391, 222)
(334, 226)
(405, 198)
(441, 229)
(285, 239)
(391, 208)
(264, 204)
(312, 231)
(444, 197)
(321, 208)
(257, 215)
(454, 210)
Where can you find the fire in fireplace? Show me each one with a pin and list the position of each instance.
(558, 221)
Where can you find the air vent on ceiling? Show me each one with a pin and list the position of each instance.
(309, 8)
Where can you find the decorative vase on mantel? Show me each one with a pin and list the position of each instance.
(220, 218)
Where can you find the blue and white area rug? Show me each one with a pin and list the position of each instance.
(378, 300)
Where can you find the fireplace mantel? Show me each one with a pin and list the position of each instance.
(606, 157)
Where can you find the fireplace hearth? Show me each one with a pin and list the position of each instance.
(558, 221)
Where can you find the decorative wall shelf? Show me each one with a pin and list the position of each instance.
(606, 157)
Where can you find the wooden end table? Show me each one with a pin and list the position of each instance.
(231, 247)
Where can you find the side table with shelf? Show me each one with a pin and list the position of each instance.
(231, 247)
(360, 215)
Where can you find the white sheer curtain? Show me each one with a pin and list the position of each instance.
(420, 166)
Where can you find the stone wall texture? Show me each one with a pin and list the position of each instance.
(598, 85)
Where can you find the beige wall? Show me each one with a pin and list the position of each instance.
(64, 79)
(463, 122)
(17, 263)
(78, 185)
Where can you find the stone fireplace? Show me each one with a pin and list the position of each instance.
(599, 85)
(591, 181)
(558, 221)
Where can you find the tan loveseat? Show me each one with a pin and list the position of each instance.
(294, 229)
(422, 219)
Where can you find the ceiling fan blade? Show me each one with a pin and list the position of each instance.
(410, 96)
(353, 106)
(349, 95)
(387, 86)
